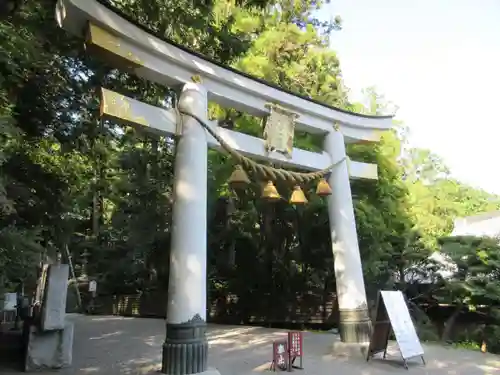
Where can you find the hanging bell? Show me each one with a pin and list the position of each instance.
(269, 192)
(298, 196)
(323, 189)
(239, 179)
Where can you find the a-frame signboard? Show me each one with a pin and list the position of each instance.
(392, 314)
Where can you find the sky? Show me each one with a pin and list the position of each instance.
(439, 62)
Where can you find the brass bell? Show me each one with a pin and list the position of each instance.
(298, 196)
(269, 192)
(323, 189)
(239, 179)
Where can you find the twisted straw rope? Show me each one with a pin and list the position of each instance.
(265, 171)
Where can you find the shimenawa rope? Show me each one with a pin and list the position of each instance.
(265, 171)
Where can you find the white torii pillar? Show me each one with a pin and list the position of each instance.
(185, 349)
(354, 320)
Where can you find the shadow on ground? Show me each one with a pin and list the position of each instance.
(129, 346)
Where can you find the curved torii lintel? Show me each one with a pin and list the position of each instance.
(165, 62)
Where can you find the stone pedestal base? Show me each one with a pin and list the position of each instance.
(49, 350)
(185, 350)
(355, 326)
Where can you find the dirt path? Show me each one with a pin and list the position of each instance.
(130, 346)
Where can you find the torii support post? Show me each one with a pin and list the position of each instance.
(354, 322)
(185, 349)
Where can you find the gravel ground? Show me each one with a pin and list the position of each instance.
(111, 345)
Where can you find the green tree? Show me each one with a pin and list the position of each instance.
(474, 277)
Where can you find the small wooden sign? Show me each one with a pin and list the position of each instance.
(392, 314)
(280, 356)
(295, 349)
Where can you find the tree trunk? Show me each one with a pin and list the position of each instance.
(401, 281)
(450, 323)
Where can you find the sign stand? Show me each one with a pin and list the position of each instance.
(93, 293)
(280, 356)
(392, 315)
(295, 349)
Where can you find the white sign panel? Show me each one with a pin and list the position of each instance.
(93, 286)
(10, 302)
(402, 325)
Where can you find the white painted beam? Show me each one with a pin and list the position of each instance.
(358, 135)
(156, 60)
(362, 170)
(131, 112)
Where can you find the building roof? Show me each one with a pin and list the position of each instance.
(484, 224)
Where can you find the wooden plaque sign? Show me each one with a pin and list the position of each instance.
(392, 314)
(280, 356)
(295, 349)
(279, 130)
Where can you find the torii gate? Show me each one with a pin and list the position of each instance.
(130, 46)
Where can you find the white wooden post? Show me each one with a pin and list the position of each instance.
(354, 324)
(185, 348)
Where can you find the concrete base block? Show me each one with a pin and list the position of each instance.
(49, 350)
(345, 349)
